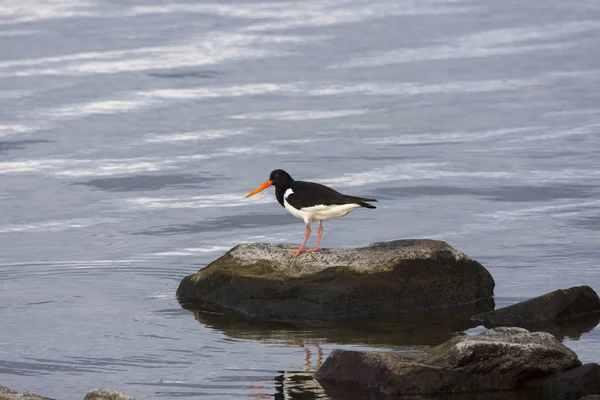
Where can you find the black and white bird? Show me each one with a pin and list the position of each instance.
(310, 201)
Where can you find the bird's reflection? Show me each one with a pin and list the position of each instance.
(296, 385)
(308, 353)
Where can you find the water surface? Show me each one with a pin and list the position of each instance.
(131, 131)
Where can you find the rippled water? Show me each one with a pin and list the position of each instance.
(130, 132)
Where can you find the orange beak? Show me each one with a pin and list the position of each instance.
(260, 188)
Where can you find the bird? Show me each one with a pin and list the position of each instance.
(310, 201)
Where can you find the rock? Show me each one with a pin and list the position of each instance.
(498, 359)
(263, 281)
(96, 394)
(9, 394)
(590, 397)
(572, 384)
(106, 394)
(552, 307)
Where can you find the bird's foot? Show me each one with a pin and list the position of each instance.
(296, 251)
(312, 250)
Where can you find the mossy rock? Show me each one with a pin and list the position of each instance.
(263, 281)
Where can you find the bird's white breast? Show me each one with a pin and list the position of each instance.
(323, 212)
(294, 211)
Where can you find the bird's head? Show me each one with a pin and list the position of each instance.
(277, 178)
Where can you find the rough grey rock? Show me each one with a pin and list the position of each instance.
(106, 394)
(9, 394)
(263, 280)
(498, 359)
(553, 307)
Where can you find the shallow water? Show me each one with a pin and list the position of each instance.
(131, 131)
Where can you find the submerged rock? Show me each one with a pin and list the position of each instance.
(263, 280)
(498, 359)
(553, 307)
(572, 384)
(106, 394)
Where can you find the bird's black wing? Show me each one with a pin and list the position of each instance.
(308, 194)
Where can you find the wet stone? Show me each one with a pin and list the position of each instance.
(498, 359)
(263, 281)
(554, 307)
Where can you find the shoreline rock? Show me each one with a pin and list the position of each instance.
(498, 359)
(551, 308)
(7, 393)
(107, 394)
(263, 281)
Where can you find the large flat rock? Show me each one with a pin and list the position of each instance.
(498, 359)
(262, 280)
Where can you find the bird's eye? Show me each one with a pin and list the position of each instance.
(276, 176)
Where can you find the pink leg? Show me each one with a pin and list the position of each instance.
(299, 250)
(318, 239)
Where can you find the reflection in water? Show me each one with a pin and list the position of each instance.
(404, 331)
(296, 385)
(308, 354)
(571, 329)
(397, 332)
(351, 392)
(408, 330)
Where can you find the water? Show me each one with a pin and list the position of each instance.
(131, 131)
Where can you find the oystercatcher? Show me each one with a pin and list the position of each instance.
(310, 201)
